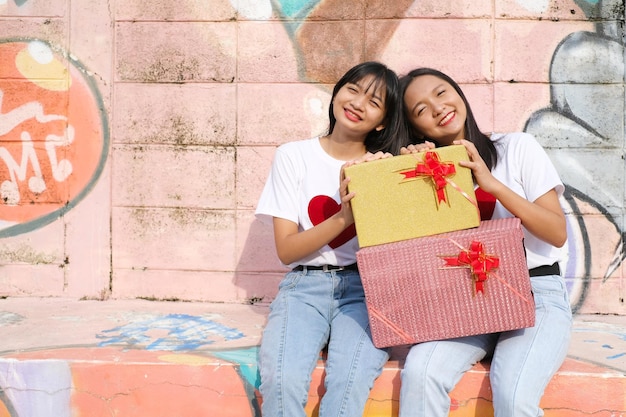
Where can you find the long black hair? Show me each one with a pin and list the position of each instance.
(483, 144)
(394, 134)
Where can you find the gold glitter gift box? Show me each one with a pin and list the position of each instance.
(410, 196)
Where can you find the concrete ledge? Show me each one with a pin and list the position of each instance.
(140, 358)
(578, 390)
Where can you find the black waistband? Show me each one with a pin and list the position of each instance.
(326, 268)
(545, 270)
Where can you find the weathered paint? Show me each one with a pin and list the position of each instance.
(159, 203)
(199, 98)
(105, 381)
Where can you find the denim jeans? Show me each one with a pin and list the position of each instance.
(314, 309)
(523, 360)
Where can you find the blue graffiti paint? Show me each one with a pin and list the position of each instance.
(613, 349)
(619, 355)
(7, 318)
(247, 359)
(183, 332)
(296, 8)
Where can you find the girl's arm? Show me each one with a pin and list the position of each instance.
(293, 245)
(543, 218)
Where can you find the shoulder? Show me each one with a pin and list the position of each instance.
(300, 144)
(520, 141)
(298, 147)
(296, 150)
(512, 137)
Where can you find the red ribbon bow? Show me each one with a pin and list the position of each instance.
(479, 262)
(437, 170)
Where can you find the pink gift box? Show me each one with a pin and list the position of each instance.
(455, 284)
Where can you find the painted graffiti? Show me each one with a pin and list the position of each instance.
(585, 138)
(582, 130)
(54, 141)
(35, 388)
(180, 332)
(54, 136)
(160, 365)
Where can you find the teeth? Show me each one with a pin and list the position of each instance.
(445, 119)
(354, 115)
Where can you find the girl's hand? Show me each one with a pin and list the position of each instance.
(346, 208)
(369, 157)
(293, 245)
(345, 195)
(543, 218)
(374, 156)
(419, 147)
(482, 174)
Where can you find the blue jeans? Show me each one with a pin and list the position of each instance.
(314, 309)
(523, 360)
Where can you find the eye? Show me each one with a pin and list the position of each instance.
(375, 103)
(441, 92)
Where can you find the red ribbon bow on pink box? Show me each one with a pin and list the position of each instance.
(480, 263)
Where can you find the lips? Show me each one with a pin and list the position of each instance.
(447, 119)
(351, 115)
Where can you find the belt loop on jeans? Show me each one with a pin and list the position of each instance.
(326, 268)
(545, 270)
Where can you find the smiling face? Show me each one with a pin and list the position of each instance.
(435, 109)
(360, 106)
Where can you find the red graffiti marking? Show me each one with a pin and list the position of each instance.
(53, 135)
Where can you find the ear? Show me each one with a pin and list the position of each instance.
(380, 127)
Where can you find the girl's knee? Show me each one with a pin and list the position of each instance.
(421, 374)
(511, 402)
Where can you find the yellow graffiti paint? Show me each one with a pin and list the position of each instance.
(182, 359)
(38, 64)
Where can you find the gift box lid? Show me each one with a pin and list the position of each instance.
(398, 198)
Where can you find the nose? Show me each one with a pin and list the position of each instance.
(357, 102)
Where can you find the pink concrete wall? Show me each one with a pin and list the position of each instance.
(177, 107)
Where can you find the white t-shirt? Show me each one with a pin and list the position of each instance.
(524, 167)
(303, 187)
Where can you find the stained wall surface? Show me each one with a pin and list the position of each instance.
(135, 137)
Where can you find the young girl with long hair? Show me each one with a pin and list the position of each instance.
(516, 171)
(320, 303)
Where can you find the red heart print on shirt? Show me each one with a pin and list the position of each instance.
(322, 207)
(486, 204)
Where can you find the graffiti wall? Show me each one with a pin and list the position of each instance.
(135, 137)
(145, 358)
